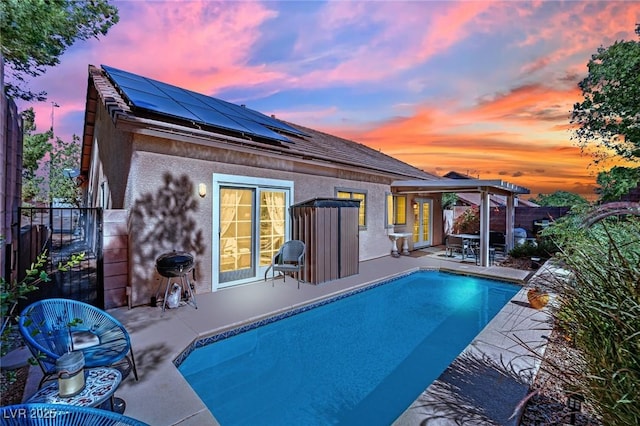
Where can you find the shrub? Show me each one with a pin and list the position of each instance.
(544, 248)
(468, 222)
(11, 292)
(599, 308)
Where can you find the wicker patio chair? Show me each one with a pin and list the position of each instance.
(289, 259)
(52, 327)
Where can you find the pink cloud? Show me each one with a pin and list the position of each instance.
(434, 28)
(202, 46)
(449, 27)
(581, 30)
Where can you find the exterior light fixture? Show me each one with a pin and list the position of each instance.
(202, 190)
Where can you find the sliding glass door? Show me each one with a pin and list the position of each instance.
(252, 222)
(236, 234)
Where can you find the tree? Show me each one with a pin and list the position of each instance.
(35, 33)
(559, 199)
(617, 182)
(47, 166)
(609, 116)
(449, 200)
(65, 160)
(35, 148)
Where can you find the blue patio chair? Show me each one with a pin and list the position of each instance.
(52, 327)
(289, 259)
(61, 415)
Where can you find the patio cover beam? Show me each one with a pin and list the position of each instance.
(484, 187)
(497, 186)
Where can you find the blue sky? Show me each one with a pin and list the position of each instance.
(484, 88)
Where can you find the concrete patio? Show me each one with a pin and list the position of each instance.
(483, 386)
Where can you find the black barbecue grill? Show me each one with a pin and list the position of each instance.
(176, 264)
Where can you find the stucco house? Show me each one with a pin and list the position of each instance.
(189, 172)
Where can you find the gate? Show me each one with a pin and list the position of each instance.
(63, 231)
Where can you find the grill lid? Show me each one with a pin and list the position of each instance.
(174, 263)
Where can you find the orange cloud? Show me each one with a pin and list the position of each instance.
(521, 134)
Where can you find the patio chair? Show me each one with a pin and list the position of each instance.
(62, 415)
(497, 241)
(458, 244)
(289, 259)
(52, 327)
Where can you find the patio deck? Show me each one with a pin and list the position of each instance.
(476, 387)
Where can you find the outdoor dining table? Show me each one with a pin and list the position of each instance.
(469, 240)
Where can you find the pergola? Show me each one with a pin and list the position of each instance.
(483, 186)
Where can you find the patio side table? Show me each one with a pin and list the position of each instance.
(100, 385)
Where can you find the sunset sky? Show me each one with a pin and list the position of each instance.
(484, 88)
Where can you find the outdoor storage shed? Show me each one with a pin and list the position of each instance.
(329, 229)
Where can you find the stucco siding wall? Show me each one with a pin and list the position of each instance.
(114, 156)
(166, 213)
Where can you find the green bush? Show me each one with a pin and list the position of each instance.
(599, 308)
(12, 292)
(543, 248)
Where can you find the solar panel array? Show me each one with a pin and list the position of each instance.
(161, 98)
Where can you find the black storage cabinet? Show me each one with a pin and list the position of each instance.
(329, 229)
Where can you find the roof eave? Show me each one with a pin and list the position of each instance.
(496, 186)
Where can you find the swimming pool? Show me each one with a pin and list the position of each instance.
(360, 359)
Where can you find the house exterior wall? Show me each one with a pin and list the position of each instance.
(155, 176)
(112, 150)
(155, 179)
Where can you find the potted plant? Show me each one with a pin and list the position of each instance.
(538, 298)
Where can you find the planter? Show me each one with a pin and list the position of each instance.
(537, 298)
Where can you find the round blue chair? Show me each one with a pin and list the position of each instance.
(52, 327)
(61, 415)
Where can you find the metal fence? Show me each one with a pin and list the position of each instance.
(62, 232)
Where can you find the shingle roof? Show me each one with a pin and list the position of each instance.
(316, 146)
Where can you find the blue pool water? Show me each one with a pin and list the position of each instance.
(362, 359)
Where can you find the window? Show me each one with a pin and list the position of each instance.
(356, 195)
(396, 210)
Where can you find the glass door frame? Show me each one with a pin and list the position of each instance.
(244, 182)
(422, 243)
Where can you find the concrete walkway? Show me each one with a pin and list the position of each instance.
(477, 386)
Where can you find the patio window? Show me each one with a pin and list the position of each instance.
(396, 211)
(356, 195)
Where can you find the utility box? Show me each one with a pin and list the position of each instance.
(329, 229)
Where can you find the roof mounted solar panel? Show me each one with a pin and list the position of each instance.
(157, 103)
(162, 98)
(214, 118)
(260, 130)
(273, 123)
(253, 115)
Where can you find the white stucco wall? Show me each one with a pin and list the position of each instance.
(155, 178)
(160, 167)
